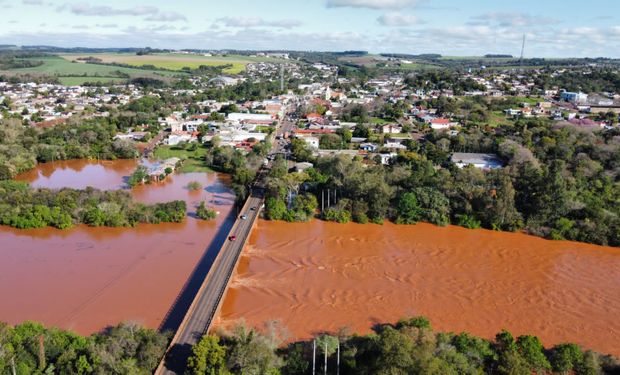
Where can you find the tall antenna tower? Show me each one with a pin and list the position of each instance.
(522, 51)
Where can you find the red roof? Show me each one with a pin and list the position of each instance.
(313, 115)
(313, 131)
(440, 121)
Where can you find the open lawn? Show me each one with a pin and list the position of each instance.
(70, 73)
(379, 121)
(193, 161)
(176, 61)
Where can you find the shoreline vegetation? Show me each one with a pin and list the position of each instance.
(562, 186)
(24, 207)
(410, 346)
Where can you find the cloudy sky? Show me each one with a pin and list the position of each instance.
(554, 28)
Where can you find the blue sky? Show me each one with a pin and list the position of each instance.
(554, 28)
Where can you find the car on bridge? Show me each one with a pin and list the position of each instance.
(243, 217)
(232, 238)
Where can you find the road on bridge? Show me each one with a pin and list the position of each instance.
(209, 297)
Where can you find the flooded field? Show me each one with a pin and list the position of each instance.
(88, 278)
(323, 276)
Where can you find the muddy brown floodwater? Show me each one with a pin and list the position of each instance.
(323, 276)
(88, 278)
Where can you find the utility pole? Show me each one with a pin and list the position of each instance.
(338, 360)
(325, 350)
(313, 357)
(522, 51)
(322, 200)
(13, 365)
(328, 194)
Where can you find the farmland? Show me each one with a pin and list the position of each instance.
(78, 73)
(174, 61)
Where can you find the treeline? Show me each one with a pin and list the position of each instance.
(24, 207)
(22, 147)
(30, 348)
(587, 80)
(558, 182)
(243, 167)
(408, 347)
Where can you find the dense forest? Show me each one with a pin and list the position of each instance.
(30, 348)
(24, 207)
(408, 347)
(559, 182)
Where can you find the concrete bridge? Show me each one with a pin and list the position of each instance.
(209, 297)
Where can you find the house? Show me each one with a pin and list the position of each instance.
(310, 141)
(440, 123)
(176, 138)
(133, 136)
(245, 117)
(223, 81)
(369, 147)
(302, 167)
(157, 171)
(574, 97)
(391, 129)
(314, 117)
(512, 112)
(385, 158)
(482, 161)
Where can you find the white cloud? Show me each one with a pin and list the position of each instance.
(85, 9)
(372, 4)
(167, 17)
(398, 20)
(32, 2)
(512, 19)
(258, 22)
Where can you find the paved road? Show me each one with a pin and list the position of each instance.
(209, 297)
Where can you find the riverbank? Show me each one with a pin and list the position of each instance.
(86, 279)
(321, 276)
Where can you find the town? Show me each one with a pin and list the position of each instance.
(359, 146)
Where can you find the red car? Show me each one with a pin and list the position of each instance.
(232, 238)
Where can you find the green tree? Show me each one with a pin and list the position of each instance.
(408, 209)
(531, 349)
(208, 357)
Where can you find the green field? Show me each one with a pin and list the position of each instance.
(418, 67)
(77, 73)
(194, 161)
(380, 121)
(177, 61)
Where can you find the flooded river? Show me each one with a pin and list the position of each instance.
(88, 278)
(323, 276)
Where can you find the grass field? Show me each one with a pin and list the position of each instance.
(70, 73)
(194, 161)
(177, 61)
(379, 121)
(419, 67)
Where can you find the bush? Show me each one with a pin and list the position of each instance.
(205, 213)
(194, 185)
(339, 216)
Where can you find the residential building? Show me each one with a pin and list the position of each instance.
(482, 161)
